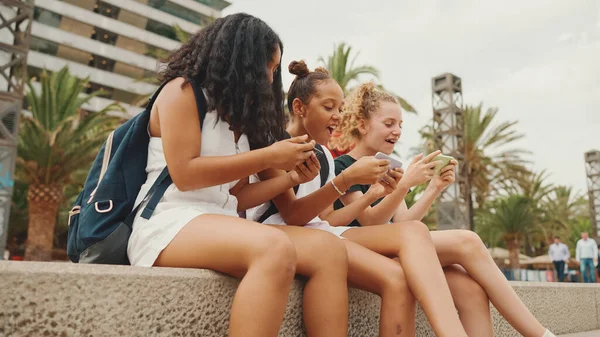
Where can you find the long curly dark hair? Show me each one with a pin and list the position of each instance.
(229, 59)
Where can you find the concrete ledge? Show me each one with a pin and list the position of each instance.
(64, 299)
(594, 333)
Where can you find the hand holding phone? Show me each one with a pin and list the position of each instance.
(445, 160)
(394, 164)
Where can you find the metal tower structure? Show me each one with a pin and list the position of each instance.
(454, 209)
(592, 168)
(15, 31)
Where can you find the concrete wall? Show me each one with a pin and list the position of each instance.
(64, 299)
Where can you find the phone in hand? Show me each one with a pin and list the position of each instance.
(394, 164)
(445, 161)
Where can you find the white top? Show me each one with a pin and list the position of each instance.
(303, 190)
(559, 252)
(586, 249)
(177, 208)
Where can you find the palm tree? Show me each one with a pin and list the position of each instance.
(534, 186)
(58, 139)
(345, 73)
(563, 207)
(512, 219)
(490, 159)
(565, 213)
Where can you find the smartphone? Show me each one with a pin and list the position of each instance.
(394, 164)
(445, 161)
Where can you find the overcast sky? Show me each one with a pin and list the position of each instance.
(537, 61)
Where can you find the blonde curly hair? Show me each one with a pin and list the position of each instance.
(359, 106)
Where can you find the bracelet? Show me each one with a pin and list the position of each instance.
(344, 178)
(336, 189)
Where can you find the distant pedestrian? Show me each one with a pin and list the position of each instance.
(559, 255)
(587, 256)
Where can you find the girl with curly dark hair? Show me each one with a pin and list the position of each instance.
(234, 64)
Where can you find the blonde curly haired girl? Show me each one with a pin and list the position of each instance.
(361, 103)
(371, 123)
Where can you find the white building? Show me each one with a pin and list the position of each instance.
(111, 40)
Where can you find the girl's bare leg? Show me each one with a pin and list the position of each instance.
(380, 275)
(471, 301)
(411, 242)
(322, 258)
(263, 257)
(466, 249)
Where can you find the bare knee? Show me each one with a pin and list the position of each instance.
(276, 253)
(470, 245)
(394, 282)
(327, 253)
(414, 230)
(466, 292)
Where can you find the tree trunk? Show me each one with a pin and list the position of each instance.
(43, 201)
(513, 243)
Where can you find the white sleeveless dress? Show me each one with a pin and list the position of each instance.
(177, 208)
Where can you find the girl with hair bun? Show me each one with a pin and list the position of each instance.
(372, 122)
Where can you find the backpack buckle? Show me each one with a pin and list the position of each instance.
(110, 207)
(75, 210)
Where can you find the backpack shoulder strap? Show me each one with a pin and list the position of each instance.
(324, 173)
(164, 179)
(152, 98)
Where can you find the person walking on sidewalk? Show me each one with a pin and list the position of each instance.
(559, 255)
(587, 256)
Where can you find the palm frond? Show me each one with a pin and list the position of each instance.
(57, 139)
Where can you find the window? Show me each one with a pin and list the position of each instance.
(91, 87)
(161, 29)
(104, 36)
(180, 12)
(102, 63)
(43, 46)
(46, 17)
(107, 10)
(217, 4)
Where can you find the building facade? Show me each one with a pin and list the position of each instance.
(114, 42)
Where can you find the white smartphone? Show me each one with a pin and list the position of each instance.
(394, 164)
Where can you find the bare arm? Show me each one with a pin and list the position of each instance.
(252, 195)
(347, 214)
(382, 212)
(434, 188)
(298, 212)
(178, 126)
(419, 209)
(418, 171)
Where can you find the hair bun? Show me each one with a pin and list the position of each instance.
(322, 70)
(298, 68)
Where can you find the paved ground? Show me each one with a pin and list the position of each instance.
(595, 333)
